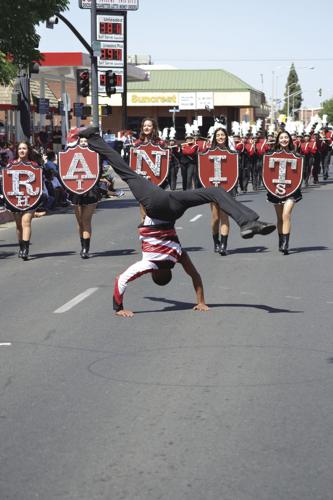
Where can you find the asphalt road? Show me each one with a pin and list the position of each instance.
(172, 404)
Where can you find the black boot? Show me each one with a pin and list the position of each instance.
(85, 248)
(280, 242)
(223, 246)
(285, 244)
(216, 243)
(25, 250)
(20, 253)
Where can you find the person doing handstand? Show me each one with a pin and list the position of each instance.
(160, 244)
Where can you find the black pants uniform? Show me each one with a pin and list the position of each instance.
(170, 205)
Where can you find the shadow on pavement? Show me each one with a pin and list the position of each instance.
(194, 249)
(51, 254)
(176, 305)
(114, 253)
(9, 245)
(307, 249)
(5, 255)
(117, 203)
(257, 249)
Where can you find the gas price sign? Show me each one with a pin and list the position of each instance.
(112, 55)
(119, 72)
(110, 28)
(111, 4)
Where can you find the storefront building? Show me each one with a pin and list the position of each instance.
(172, 96)
(180, 96)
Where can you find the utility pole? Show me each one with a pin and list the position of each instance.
(23, 125)
(94, 74)
(124, 97)
(273, 97)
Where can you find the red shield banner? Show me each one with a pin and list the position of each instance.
(218, 167)
(151, 161)
(22, 185)
(79, 169)
(282, 173)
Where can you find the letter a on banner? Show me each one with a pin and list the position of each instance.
(79, 169)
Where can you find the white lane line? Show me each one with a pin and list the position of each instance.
(196, 218)
(292, 297)
(5, 344)
(75, 301)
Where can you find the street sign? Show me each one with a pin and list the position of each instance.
(66, 101)
(111, 4)
(77, 106)
(205, 99)
(187, 100)
(110, 28)
(61, 110)
(43, 107)
(96, 46)
(119, 84)
(174, 110)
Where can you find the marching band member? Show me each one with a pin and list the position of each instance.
(316, 156)
(189, 156)
(149, 133)
(249, 157)
(220, 223)
(329, 136)
(307, 149)
(201, 144)
(243, 179)
(189, 151)
(174, 159)
(296, 142)
(324, 147)
(84, 208)
(24, 153)
(167, 207)
(261, 148)
(284, 206)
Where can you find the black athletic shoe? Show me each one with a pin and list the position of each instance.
(88, 132)
(256, 227)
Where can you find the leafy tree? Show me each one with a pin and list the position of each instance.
(292, 87)
(327, 110)
(8, 70)
(18, 37)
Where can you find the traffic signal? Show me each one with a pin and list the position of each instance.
(320, 92)
(51, 21)
(106, 110)
(82, 82)
(86, 110)
(33, 68)
(110, 83)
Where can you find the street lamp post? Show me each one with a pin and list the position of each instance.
(275, 90)
(288, 97)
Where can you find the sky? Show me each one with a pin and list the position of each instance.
(257, 41)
